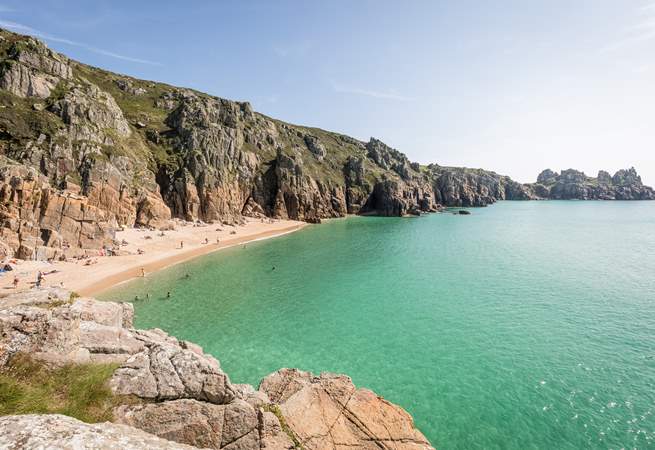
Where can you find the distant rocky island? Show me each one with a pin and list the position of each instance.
(84, 151)
(574, 185)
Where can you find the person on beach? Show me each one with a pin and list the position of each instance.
(181, 244)
(39, 279)
(143, 272)
(15, 282)
(218, 241)
(206, 241)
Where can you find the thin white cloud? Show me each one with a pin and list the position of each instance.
(643, 68)
(20, 28)
(645, 25)
(388, 95)
(629, 41)
(647, 8)
(642, 31)
(295, 49)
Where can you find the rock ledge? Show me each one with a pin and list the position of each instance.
(183, 395)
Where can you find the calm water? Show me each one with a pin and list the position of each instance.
(525, 325)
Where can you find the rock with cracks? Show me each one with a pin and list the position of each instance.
(54, 431)
(328, 412)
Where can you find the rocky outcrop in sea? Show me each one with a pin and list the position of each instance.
(572, 184)
(183, 395)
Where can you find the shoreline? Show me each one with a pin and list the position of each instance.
(160, 252)
(127, 275)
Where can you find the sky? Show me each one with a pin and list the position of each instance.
(514, 86)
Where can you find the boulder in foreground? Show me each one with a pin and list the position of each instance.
(55, 431)
(174, 391)
(328, 411)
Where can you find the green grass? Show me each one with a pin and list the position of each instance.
(76, 390)
(19, 120)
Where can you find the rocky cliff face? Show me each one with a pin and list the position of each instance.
(180, 394)
(455, 186)
(572, 184)
(83, 151)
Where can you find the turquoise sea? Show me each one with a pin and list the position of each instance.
(524, 325)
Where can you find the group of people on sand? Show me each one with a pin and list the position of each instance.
(206, 241)
(107, 250)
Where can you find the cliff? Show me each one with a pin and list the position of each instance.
(170, 389)
(84, 151)
(573, 184)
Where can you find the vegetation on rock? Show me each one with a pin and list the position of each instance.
(101, 368)
(28, 386)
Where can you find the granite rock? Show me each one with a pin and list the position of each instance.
(572, 184)
(327, 411)
(55, 431)
(182, 394)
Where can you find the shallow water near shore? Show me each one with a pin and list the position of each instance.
(524, 325)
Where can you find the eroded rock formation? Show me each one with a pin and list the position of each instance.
(183, 394)
(573, 184)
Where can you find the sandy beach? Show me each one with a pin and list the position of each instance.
(158, 252)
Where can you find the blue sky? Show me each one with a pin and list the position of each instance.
(511, 86)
